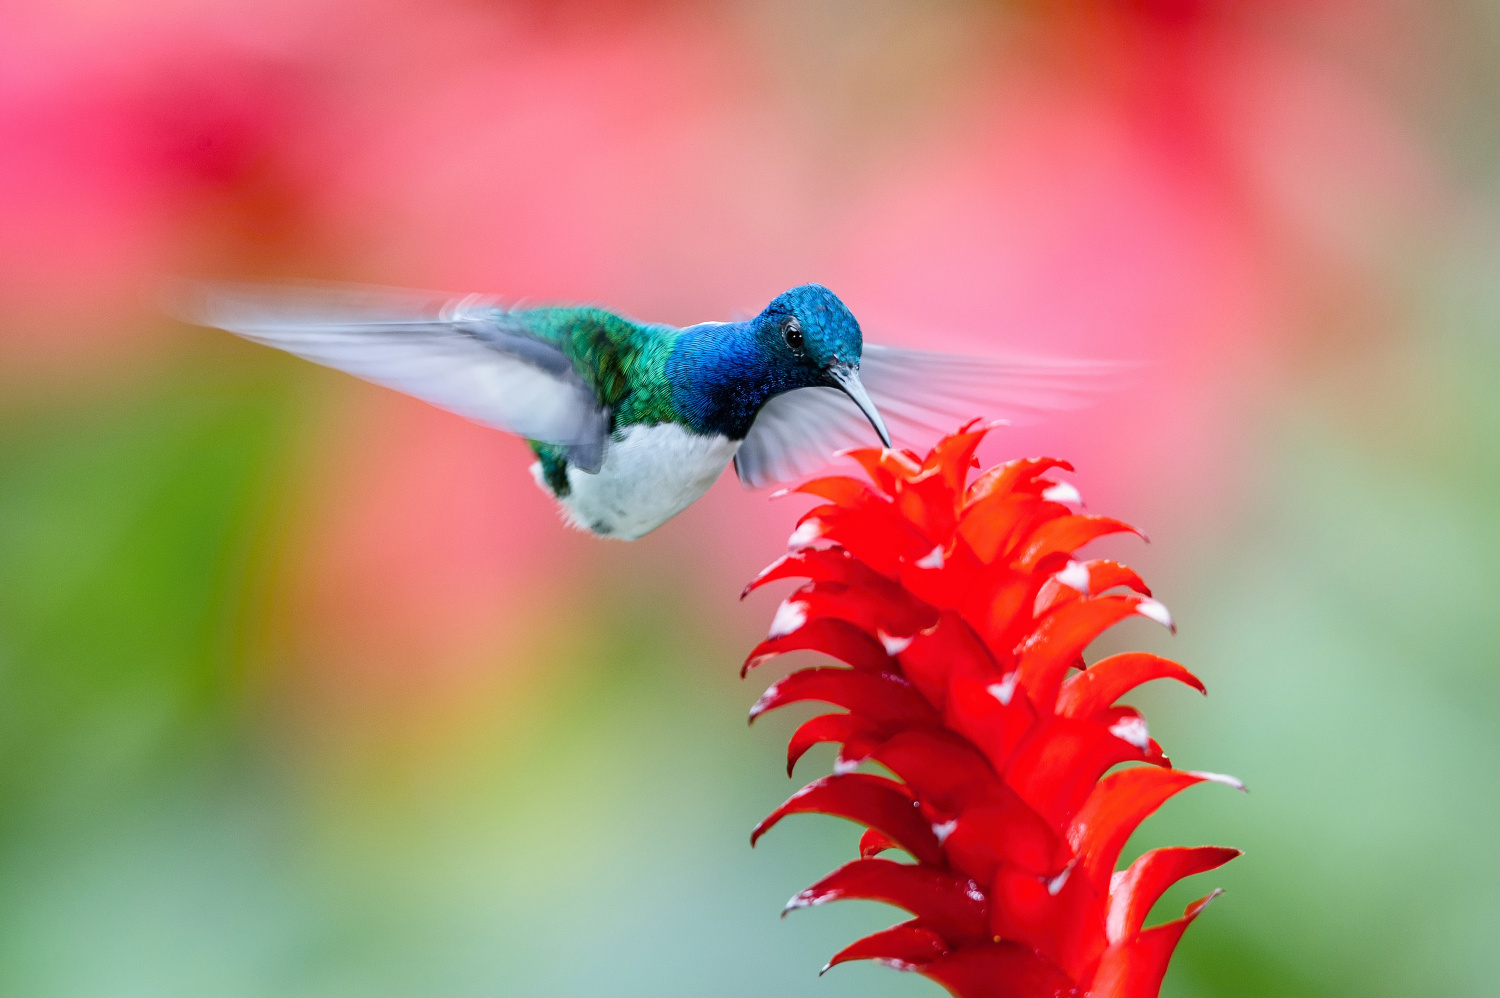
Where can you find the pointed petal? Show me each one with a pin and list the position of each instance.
(1000, 601)
(826, 728)
(953, 455)
(889, 610)
(836, 638)
(825, 565)
(945, 577)
(1098, 576)
(901, 945)
(943, 653)
(871, 460)
(833, 567)
(1056, 768)
(1135, 968)
(1003, 830)
(992, 525)
(877, 536)
(1069, 533)
(943, 769)
(885, 467)
(995, 716)
(1059, 640)
(1119, 803)
(952, 906)
(1019, 475)
(1105, 574)
(1108, 679)
(999, 970)
(872, 843)
(840, 489)
(1061, 917)
(1132, 892)
(872, 801)
(878, 697)
(930, 503)
(1128, 723)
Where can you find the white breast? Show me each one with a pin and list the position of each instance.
(650, 474)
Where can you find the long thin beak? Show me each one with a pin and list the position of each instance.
(847, 378)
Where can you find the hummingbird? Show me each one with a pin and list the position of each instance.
(630, 421)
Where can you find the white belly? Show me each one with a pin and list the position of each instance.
(650, 474)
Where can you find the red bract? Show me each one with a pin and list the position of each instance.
(962, 614)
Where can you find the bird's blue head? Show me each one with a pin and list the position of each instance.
(811, 339)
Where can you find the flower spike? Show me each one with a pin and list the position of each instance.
(960, 613)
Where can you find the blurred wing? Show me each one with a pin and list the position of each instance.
(922, 395)
(464, 355)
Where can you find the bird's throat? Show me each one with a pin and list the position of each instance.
(720, 376)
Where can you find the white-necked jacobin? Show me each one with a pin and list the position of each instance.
(632, 422)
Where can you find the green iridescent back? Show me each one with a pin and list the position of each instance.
(623, 361)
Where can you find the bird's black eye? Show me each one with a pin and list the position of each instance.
(791, 331)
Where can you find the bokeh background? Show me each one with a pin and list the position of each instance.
(304, 691)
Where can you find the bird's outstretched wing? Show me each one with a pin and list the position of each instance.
(464, 355)
(922, 395)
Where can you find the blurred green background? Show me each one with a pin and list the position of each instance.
(305, 691)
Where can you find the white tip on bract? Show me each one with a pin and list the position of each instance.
(1114, 915)
(805, 535)
(1064, 492)
(911, 466)
(893, 645)
(1005, 688)
(932, 559)
(1227, 780)
(1196, 908)
(1132, 730)
(1058, 882)
(944, 829)
(790, 615)
(1154, 610)
(804, 899)
(1075, 575)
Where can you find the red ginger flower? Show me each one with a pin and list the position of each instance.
(960, 612)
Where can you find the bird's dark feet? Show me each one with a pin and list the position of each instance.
(554, 463)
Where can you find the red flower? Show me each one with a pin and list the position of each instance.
(960, 612)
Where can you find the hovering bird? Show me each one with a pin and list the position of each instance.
(631, 422)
